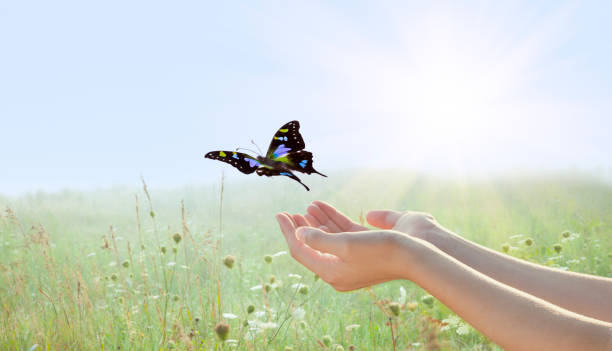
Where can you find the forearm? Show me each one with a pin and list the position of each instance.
(513, 319)
(584, 294)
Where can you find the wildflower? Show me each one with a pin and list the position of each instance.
(250, 309)
(327, 340)
(505, 247)
(222, 330)
(566, 234)
(303, 325)
(303, 289)
(394, 307)
(351, 327)
(163, 249)
(280, 253)
(228, 261)
(299, 313)
(272, 279)
(114, 277)
(267, 287)
(557, 248)
(229, 316)
(268, 259)
(125, 264)
(316, 277)
(175, 298)
(528, 241)
(427, 300)
(296, 276)
(197, 319)
(412, 306)
(177, 238)
(339, 348)
(402, 297)
(152, 214)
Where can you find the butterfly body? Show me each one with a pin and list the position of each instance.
(285, 155)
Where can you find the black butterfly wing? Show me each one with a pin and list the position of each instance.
(269, 172)
(301, 161)
(287, 139)
(245, 163)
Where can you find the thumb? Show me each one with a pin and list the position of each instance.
(383, 219)
(317, 239)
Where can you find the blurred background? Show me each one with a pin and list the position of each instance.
(97, 94)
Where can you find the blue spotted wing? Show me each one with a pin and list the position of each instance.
(287, 146)
(245, 163)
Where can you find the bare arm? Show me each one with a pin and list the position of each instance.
(581, 293)
(513, 319)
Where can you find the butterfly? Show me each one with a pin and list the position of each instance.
(285, 155)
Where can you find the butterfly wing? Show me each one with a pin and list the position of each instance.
(300, 161)
(269, 172)
(286, 139)
(245, 163)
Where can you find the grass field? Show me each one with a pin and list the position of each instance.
(111, 269)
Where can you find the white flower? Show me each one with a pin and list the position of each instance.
(297, 285)
(463, 329)
(229, 316)
(299, 313)
(256, 287)
(267, 325)
(231, 342)
(112, 264)
(260, 314)
(296, 276)
(280, 253)
(91, 254)
(351, 327)
(184, 267)
(171, 264)
(402, 297)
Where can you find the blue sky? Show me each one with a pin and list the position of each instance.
(96, 94)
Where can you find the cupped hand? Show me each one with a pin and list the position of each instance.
(326, 217)
(348, 258)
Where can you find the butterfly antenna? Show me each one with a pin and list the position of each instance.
(241, 148)
(260, 153)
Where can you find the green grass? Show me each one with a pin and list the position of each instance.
(63, 284)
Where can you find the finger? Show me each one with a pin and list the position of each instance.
(342, 221)
(383, 219)
(312, 220)
(324, 228)
(307, 256)
(300, 221)
(323, 218)
(319, 240)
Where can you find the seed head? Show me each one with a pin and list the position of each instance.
(557, 248)
(272, 279)
(222, 330)
(250, 309)
(174, 250)
(163, 249)
(303, 289)
(267, 287)
(394, 307)
(316, 277)
(114, 277)
(327, 340)
(427, 300)
(505, 247)
(175, 298)
(528, 241)
(228, 261)
(152, 214)
(303, 325)
(268, 259)
(412, 306)
(177, 237)
(288, 348)
(339, 348)
(125, 264)
(171, 345)
(197, 319)
(566, 234)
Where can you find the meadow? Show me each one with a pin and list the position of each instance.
(205, 267)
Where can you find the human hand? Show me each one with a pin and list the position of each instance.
(350, 259)
(327, 218)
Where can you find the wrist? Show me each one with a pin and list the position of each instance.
(411, 254)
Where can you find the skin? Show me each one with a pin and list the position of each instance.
(517, 304)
